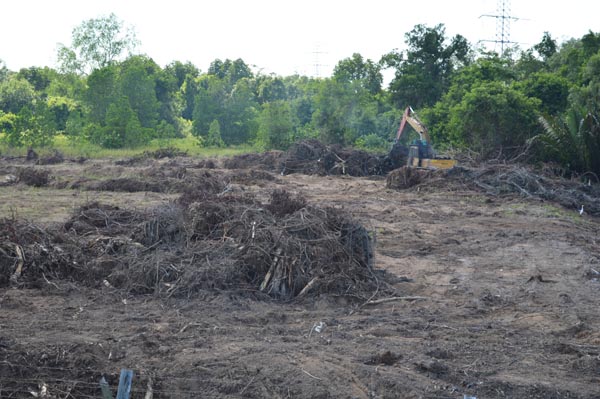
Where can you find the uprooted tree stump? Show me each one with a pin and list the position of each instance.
(406, 177)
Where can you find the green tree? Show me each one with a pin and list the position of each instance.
(16, 93)
(176, 90)
(213, 138)
(332, 111)
(357, 70)
(31, 127)
(372, 142)
(39, 78)
(181, 71)
(239, 114)
(424, 75)
(122, 127)
(68, 85)
(137, 81)
(102, 91)
(61, 108)
(230, 71)
(208, 103)
(3, 71)
(275, 127)
(494, 120)
(97, 43)
(551, 88)
(189, 91)
(271, 89)
(75, 127)
(573, 55)
(487, 69)
(547, 47)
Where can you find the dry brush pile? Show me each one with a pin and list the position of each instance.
(282, 249)
(312, 157)
(502, 179)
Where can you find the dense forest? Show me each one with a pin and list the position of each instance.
(539, 105)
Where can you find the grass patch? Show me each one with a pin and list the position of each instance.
(88, 150)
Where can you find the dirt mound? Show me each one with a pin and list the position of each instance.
(499, 180)
(284, 249)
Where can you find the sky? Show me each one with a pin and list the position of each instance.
(281, 37)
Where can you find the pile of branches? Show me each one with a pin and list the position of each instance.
(315, 158)
(312, 157)
(33, 176)
(54, 158)
(161, 153)
(159, 179)
(281, 249)
(502, 179)
(269, 160)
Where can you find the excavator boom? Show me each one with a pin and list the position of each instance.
(411, 117)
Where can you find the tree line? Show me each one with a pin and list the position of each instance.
(541, 103)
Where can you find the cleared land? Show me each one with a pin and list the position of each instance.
(494, 296)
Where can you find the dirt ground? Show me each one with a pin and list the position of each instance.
(496, 297)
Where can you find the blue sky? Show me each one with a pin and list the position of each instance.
(278, 36)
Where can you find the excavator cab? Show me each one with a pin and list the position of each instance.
(417, 151)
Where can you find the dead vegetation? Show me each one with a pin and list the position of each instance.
(502, 179)
(266, 161)
(53, 158)
(315, 158)
(284, 249)
(34, 177)
(161, 153)
(312, 157)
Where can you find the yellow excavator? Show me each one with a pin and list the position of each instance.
(420, 151)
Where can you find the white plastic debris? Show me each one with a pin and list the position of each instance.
(318, 328)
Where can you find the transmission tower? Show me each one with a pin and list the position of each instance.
(317, 60)
(503, 19)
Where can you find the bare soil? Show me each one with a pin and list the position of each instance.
(495, 297)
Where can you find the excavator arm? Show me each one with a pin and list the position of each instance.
(411, 117)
